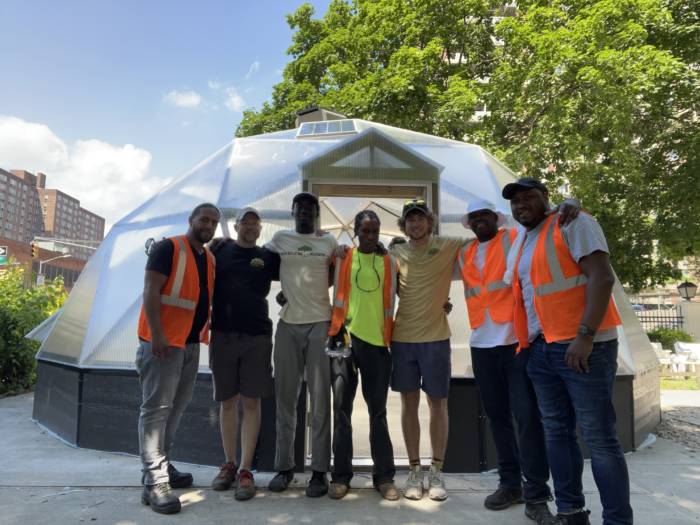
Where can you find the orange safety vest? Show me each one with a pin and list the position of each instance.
(179, 296)
(486, 290)
(560, 289)
(341, 294)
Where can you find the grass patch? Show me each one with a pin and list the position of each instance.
(668, 383)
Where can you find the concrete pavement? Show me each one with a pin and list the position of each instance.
(43, 480)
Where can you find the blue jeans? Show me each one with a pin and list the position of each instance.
(507, 393)
(566, 398)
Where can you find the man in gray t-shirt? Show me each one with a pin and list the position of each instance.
(572, 369)
(300, 342)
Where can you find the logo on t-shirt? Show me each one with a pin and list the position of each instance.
(256, 262)
(305, 249)
(433, 251)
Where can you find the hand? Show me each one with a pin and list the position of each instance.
(567, 210)
(160, 346)
(379, 249)
(281, 298)
(447, 307)
(217, 242)
(577, 354)
(395, 241)
(340, 251)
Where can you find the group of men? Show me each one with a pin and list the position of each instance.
(543, 346)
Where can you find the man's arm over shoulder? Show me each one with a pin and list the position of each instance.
(584, 236)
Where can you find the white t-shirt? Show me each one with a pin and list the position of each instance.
(490, 334)
(304, 267)
(583, 236)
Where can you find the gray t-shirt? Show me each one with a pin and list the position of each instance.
(305, 259)
(583, 236)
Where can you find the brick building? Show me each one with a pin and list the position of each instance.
(28, 210)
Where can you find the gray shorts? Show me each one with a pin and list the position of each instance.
(422, 365)
(240, 364)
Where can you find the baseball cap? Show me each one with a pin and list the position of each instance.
(245, 211)
(415, 204)
(525, 183)
(305, 196)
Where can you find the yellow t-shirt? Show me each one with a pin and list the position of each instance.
(366, 307)
(425, 275)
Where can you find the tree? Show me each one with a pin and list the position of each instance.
(597, 97)
(21, 309)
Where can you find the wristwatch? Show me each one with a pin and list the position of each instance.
(585, 330)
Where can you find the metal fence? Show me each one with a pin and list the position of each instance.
(662, 318)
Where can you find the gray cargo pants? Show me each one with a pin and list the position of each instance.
(300, 348)
(167, 385)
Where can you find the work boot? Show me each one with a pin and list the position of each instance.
(225, 478)
(503, 498)
(179, 480)
(160, 499)
(281, 481)
(246, 485)
(389, 491)
(338, 490)
(414, 483)
(578, 518)
(318, 485)
(436, 485)
(539, 513)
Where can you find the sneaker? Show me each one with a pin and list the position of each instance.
(539, 512)
(179, 480)
(436, 485)
(160, 499)
(503, 498)
(578, 518)
(414, 484)
(246, 485)
(318, 485)
(389, 491)
(338, 490)
(225, 478)
(281, 481)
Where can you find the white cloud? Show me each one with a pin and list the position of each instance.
(254, 68)
(234, 101)
(213, 84)
(183, 99)
(107, 179)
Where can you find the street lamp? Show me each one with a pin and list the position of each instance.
(687, 290)
(40, 275)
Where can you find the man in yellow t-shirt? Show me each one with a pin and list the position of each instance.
(363, 302)
(420, 344)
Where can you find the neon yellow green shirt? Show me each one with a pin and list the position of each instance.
(365, 318)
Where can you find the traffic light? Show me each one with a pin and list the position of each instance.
(35, 250)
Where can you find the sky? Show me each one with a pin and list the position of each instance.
(112, 99)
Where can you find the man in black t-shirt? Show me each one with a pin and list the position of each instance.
(241, 345)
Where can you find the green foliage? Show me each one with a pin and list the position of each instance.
(21, 309)
(668, 336)
(597, 97)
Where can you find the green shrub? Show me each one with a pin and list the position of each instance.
(21, 309)
(668, 336)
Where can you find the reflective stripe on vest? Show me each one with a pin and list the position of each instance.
(559, 283)
(174, 299)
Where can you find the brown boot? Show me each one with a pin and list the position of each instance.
(389, 491)
(337, 490)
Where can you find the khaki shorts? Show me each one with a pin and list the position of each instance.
(240, 364)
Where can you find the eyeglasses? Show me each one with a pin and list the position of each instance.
(420, 202)
(359, 269)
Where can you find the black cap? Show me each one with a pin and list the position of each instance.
(305, 196)
(526, 183)
(415, 204)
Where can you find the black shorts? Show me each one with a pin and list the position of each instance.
(240, 364)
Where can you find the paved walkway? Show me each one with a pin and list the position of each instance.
(44, 481)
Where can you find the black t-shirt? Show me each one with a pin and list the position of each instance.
(243, 277)
(161, 260)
